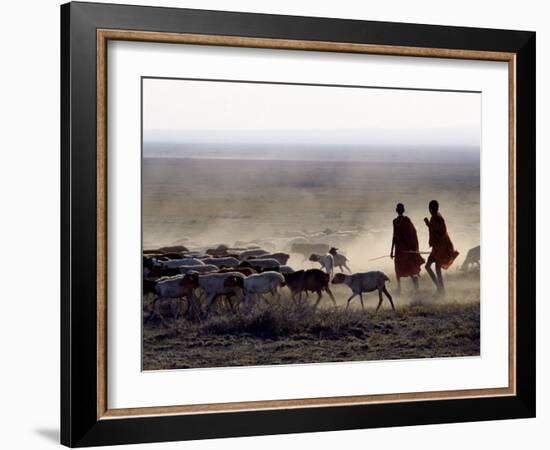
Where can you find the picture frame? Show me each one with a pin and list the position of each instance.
(86, 419)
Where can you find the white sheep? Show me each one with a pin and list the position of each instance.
(281, 257)
(228, 261)
(213, 285)
(262, 283)
(175, 263)
(254, 252)
(206, 268)
(365, 282)
(264, 263)
(169, 288)
(326, 261)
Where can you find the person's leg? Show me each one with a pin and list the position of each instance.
(431, 273)
(398, 292)
(441, 287)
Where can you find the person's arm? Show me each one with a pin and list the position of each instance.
(438, 227)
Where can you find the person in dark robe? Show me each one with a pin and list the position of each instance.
(443, 252)
(404, 248)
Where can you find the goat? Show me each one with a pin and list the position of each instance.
(472, 258)
(339, 259)
(326, 261)
(365, 282)
(314, 280)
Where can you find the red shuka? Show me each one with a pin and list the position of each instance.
(443, 251)
(407, 259)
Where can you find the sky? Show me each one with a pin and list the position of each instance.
(190, 112)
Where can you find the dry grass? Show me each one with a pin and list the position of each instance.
(284, 333)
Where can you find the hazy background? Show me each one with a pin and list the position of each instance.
(242, 162)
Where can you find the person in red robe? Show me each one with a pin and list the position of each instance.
(443, 252)
(404, 248)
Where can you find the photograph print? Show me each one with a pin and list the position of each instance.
(302, 223)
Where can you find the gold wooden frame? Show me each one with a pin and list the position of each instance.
(104, 35)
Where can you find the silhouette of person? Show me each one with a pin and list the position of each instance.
(443, 252)
(404, 248)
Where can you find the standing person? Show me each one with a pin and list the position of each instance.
(443, 252)
(406, 258)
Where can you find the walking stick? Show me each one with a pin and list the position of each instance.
(406, 251)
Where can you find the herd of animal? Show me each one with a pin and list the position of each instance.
(245, 274)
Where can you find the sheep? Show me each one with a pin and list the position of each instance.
(254, 252)
(213, 285)
(263, 263)
(229, 261)
(173, 248)
(205, 268)
(175, 263)
(244, 270)
(171, 255)
(472, 258)
(158, 272)
(258, 284)
(314, 280)
(149, 286)
(365, 282)
(220, 250)
(339, 259)
(166, 289)
(285, 269)
(282, 258)
(326, 261)
(196, 254)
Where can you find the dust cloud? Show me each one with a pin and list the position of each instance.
(201, 203)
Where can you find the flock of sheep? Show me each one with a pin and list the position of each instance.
(245, 274)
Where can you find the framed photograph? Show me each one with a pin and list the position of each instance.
(276, 224)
